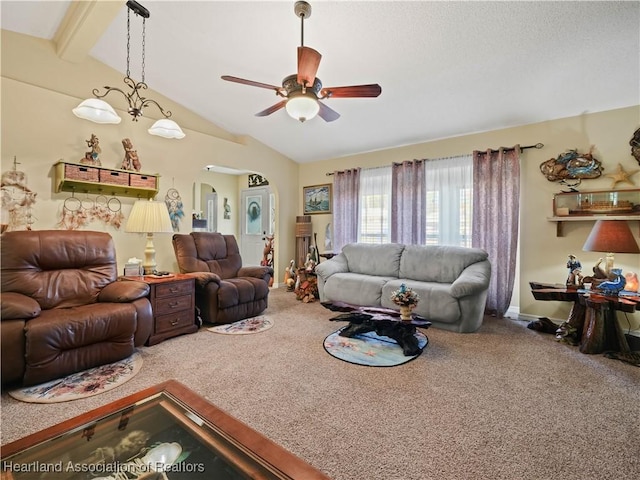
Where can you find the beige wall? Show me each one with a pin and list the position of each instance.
(38, 92)
(542, 255)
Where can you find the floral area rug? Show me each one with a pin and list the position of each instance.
(370, 349)
(244, 327)
(82, 384)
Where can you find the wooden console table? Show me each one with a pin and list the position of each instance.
(592, 315)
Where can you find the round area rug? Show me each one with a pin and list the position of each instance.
(244, 327)
(82, 384)
(370, 349)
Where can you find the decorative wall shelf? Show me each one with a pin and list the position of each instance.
(81, 178)
(595, 205)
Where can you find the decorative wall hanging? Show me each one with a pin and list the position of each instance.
(78, 213)
(317, 199)
(227, 209)
(635, 145)
(17, 200)
(175, 207)
(621, 176)
(131, 160)
(571, 165)
(92, 156)
(255, 180)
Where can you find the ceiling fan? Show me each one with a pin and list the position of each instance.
(303, 91)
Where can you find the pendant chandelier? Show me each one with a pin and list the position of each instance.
(99, 111)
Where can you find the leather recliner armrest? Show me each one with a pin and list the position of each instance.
(256, 271)
(16, 306)
(204, 278)
(123, 291)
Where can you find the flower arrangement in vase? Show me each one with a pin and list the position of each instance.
(406, 299)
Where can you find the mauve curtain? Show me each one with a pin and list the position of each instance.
(408, 203)
(346, 205)
(496, 205)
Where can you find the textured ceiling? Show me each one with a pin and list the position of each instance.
(446, 68)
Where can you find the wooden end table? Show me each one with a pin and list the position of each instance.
(173, 304)
(592, 315)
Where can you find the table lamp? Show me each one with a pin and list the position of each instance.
(148, 216)
(611, 236)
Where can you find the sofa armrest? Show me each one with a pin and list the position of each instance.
(337, 264)
(204, 278)
(255, 271)
(123, 291)
(473, 280)
(16, 306)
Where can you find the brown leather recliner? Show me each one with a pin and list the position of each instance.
(62, 309)
(225, 290)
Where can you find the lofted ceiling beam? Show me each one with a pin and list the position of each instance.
(82, 26)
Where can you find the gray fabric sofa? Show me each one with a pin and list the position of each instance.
(452, 282)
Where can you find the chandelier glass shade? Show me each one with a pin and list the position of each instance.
(99, 111)
(166, 128)
(302, 106)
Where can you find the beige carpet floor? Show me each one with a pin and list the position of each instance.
(502, 403)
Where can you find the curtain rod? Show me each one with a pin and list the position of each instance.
(537, 146)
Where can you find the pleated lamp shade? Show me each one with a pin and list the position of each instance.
(149, 217)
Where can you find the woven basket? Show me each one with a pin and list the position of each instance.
(79, 172)
(113, 177)
(142, 181)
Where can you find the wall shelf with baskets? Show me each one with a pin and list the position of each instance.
(81, 178)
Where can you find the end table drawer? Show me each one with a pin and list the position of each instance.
(174, 288)
(166, 323)
(173, 304)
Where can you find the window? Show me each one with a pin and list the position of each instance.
(449, 198)
(375, 205)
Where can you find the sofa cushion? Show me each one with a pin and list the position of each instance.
(66, 340)
(379, 260)
(345, 287)
(437, 263)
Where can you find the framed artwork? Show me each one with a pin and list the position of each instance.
(317, 199)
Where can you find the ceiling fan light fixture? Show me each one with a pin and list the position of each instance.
(302, 106)
(166, 128)
(96, 110)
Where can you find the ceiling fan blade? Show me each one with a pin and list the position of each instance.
(308, 62)
(327, 114)
(243, 81)
(372, 90)
(271, 109)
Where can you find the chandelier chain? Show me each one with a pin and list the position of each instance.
(143, 44)
(128, 40)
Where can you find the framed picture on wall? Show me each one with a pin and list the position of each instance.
(317, 199)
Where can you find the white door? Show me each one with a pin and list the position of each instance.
(256, 223)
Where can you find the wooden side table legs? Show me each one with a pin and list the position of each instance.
(601, 330)
(571, 330)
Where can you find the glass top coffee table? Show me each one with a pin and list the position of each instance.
(165, 432)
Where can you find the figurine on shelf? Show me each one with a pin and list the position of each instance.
(91, 157)
(131, 160)
(575, 271)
